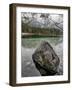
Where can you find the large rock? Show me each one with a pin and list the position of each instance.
(45, 59)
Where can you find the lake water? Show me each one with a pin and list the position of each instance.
(28, 47)
(33, 42)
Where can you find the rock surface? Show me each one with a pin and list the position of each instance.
(46, 60)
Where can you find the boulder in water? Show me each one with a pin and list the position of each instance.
(46, 60)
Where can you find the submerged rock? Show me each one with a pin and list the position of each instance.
(45, 59)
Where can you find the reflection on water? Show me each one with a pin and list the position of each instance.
(33, 42)
(27, 49)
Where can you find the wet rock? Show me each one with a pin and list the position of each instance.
(46, 60)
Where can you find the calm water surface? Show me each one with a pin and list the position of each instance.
(29, 45)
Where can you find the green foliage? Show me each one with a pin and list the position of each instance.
(41, 31)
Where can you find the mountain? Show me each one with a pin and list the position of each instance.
(43, 24)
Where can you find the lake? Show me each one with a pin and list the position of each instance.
(33, 42)
(28, 46)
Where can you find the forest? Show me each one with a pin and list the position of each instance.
(39, 24)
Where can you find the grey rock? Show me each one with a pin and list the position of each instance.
(46, 60)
